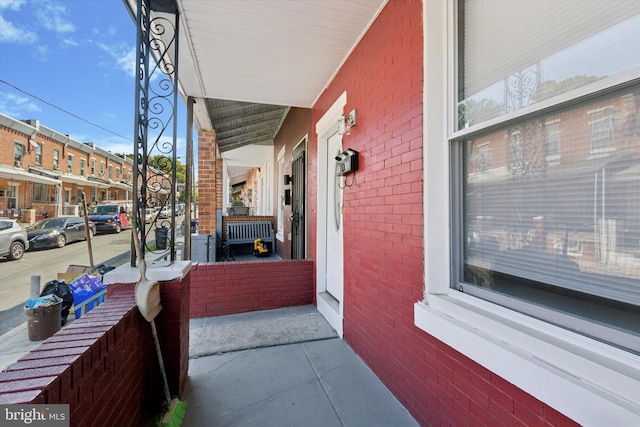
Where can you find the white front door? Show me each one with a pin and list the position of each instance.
(329, 241)
(333, 229)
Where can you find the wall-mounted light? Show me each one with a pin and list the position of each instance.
(287, 179)
(345, 123)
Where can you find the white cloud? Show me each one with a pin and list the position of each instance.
(17, 106)
(11, 4)
(124, 56)
(11, 34)
(52, 16)
(70, 42)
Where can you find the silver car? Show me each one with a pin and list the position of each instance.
(13, 239)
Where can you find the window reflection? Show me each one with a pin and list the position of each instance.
(554, 200)
(604, 54)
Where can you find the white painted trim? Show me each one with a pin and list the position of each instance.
(280, 167)
(328, 311)
(436, 150)
(586, 380)
(590, 382)
(162, 271)
(329, 120)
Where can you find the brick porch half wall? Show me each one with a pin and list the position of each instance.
(236, 287)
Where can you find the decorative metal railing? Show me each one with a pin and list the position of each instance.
(156, 117)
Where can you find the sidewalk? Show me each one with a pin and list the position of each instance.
(15, 343)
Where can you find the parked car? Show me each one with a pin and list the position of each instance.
(57, 232)
(13, 239)
(149, 215)
(164, 212)
(112, 217)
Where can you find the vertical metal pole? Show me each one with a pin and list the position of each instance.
(140, 125)
(174, 179)
(188, 179)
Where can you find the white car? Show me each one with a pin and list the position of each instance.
(149, 215)
(163, 212)
(13, 239)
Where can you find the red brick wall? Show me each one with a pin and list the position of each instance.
(207, 196)
(173, 328)
(383, 238)
(104, 365)
(237, 287)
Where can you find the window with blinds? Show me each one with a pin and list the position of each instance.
(547, 157)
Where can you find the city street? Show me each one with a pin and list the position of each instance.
(15, 276)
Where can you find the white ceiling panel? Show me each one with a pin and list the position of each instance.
(247, 61)
(281, 52)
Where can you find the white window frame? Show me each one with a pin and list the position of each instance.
(83, 166)
(599, 117)
(553, 138)
(38, 154)
(56, 160)
(588, 381)
(70, 163)
(18, 159)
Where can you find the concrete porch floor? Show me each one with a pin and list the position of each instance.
(283, 367)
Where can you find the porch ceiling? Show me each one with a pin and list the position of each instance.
(247, 61)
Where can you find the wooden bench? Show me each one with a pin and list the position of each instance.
(246, 232)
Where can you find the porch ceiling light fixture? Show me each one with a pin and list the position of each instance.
(345, 123)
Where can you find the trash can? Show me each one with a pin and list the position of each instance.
(43, 321)
(162, 234)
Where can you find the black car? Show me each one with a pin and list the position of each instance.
(57, 232)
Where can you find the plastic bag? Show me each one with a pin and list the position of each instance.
(44, 301)
(60, 289)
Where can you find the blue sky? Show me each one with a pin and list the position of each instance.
(78, 55)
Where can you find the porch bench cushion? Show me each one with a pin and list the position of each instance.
(247, 232)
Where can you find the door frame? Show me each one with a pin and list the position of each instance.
(329, 307)
(300, 150)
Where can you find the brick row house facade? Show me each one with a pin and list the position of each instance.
(43, 173)
(484, 259)
(483, 255)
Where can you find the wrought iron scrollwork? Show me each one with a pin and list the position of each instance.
(156, 126)
(520, 87)
(526, 150)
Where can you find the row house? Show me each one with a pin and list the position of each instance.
(484, 257)
(482, 251)
(454, 182)
(44, 173)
